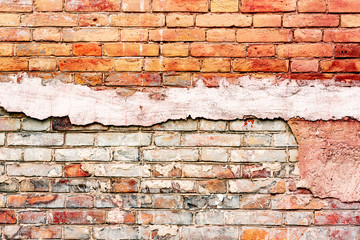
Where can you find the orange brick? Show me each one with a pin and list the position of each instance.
(16, 6)
(342, 35)
(172, 64)
(217, 50)
(260, 65)
(93, 5)
(49, 19)
(91, 35)
(268, 5)
(312, 6)
(307, 35)
(133, 79)
(9, 20)
(180, 5)
(350, 6)
(13, 64)
(255, 234)
(42, 64)
(175, 35)
(137, 20)
(86, 64)
(89, 79)
(346, 65)
(134, 35)
(305, 50)
(311, 20)
(220, 35)
(46, 34)
(179, 20)
(87, 49)
(350, 20)
(175, 50)
(224, 6)
(304, 66)
(48, 5)
(267, 50)
(93, 19)
(129, 65)
(267, 20)
(223, 20)
(216, 65)
(131, 49)
(177, 79)
(136, 5)
(264, 35)
(7, 49)
(44, 49)
(14, 35)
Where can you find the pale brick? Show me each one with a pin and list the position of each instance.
(212, 139)
(124, 139)
(82, 154)
(77, 232)
(179, 20)
(217, 201)
(284, 139)
(126, 154)
(209, 232)
(117, 233)
(211, 171)
(257, 125)
(122, 170)
(224, 6)
(37, 154)
(30, 124)
(208, 125)
(2, 138)
(7, 49)
(48, 5)
(79, 139)
(170, 155)
(91, 35)
(49, 19)
(293, 155)
(210, 218)
(165, 217)
(258, 217)
(188, 125)
(9, 20)
(46, 34)
(34, 170)
(299, 218)
(42, 64)
(35, 139)
(257, 140)
(10, 154)
(214, 155)
(249, 186)
(9, 124)
(258, 156)
(169, 139)
(167, 186)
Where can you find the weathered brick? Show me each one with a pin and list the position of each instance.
(7, 49)
(255, 202)
(107, 232)
(209, 232)
(261, 217)
(179, 20)
(304, 66)
(118, 216)
(180, 5)
(86, 64)
(93, 19)
(49, 19)
(305, 50)
(36, 139)
(296, 202)
(10, 154)
(125, 186)
(80, 201)
(133, 79)
(342, 35)
(48, 6)
(268, 6)
(214, 155)
(46, 34)
(188, 125)
(175, 50)
(347, 6)
(35, 185)
(217, 50)
(165, 217)
(14, 34)
(77, 217)
(260, 65)
(37, 154)
(267, 50)
(44, 49)
(307, 35)
(129, 65)
(91, 35)
(212, 140)
(92, 6)
(311, 20)
(131, 49)
(177, 79)
(347, 51)
(171, 155)
(9, 124)
(176, 35)
(33, 232)
(167, 186)
(264, 35)
(348, 65)
(211, 171)
(167, 139)
(299, 218)
(30, 124)
(254, 233)
(122, 170)
(77, 232)
(13, 64)
(267, 20)
(9, 20)
(224, 6)
(30, 169)
(263, 186)
(167, 201)
(223, 20)
(350, 20)
(312, 5)
(123, 139)
(343, 233)
(336, 217)
(134, 35)
(42, 64)
(36, 201)
(216, 65)
(82, 154)
(172, 64)
(2, 138)
(258, 156)
(80, 185)
(16, 6)
(32, 217)
(137, 20)
(212, 186)
(89, 79)
(220, 35)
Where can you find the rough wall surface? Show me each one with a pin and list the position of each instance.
(139, 62)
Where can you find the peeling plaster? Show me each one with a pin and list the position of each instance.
(260, 98)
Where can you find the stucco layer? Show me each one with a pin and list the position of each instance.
(329, 154)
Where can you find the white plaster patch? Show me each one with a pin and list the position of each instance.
(258, 98)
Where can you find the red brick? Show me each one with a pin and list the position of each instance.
(33, 232)
(7, 216)
(346, 65)
(264, 35)
(87, 49)
(80, 201)
(32, 217)
(133, 79)
(350, 6)
(92, 6)
(307, 35)
(131, 49)
(337, 218)
(347, 51)
(13, 64)
(49, 19)
(312, 5)
(137, 20)
(311, 20)
(342, 35)
(213, 80)
(86, 64)
(255, 171)
(93, 19)
(177, 35)
(261, 50)
(125, 186)
(172, 64)
(260, 65)
(223, 20)
(180, 5)
(14, 35)
(75, 170)
(268, 5)
(77, 217)
(304, 66)
(217, 50)
(16, 6)
(305, 50)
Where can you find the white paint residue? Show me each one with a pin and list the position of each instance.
(259, 98)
